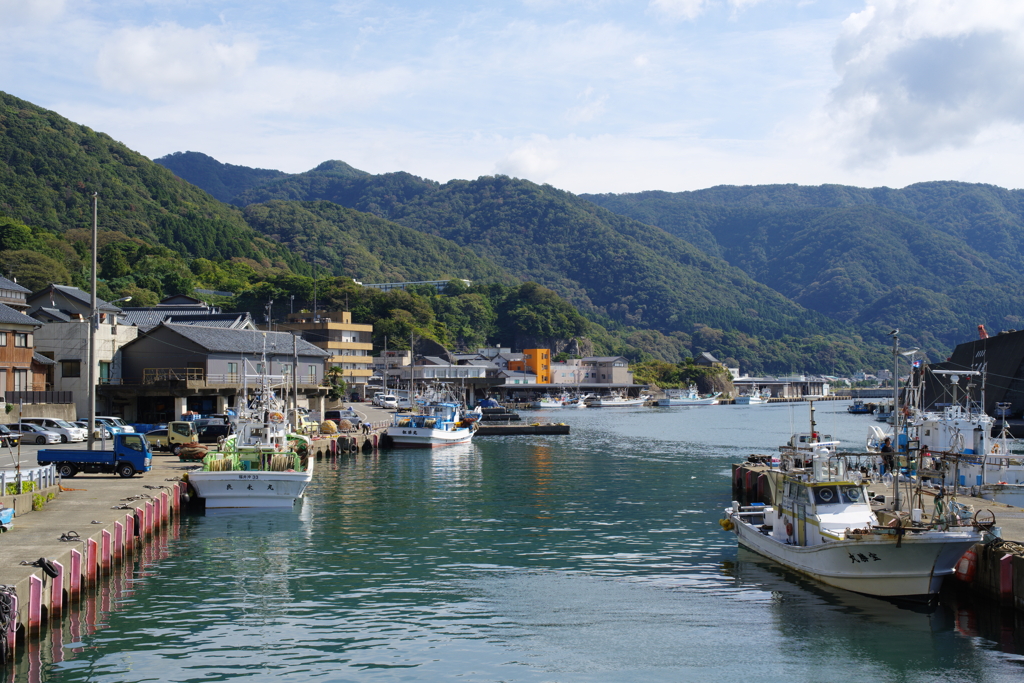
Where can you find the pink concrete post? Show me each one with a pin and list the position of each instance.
(92, 549)
(1006, 578)
(118, 541)
(129, 533)
(141, 514)
(12, 631)
(106, 550)
(57, 591)
(152, 523)
(75, 582)
(35, 603)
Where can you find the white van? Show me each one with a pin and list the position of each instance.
(68, 432)
(389, 401)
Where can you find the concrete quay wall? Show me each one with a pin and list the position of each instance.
(52, 557)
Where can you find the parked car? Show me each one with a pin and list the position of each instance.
(9, 438)
(336, 416)
(31, 433)
(389, 401)
(68, 431)
(100, 432)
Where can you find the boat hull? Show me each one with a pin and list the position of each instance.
(599, 403)
(750, 401)
(423, 437)
(676, 402)
(251, 489)
(871, 565)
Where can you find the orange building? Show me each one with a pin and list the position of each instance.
(536, 362)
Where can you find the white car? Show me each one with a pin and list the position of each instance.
(31, 433)
(67, 431)
(389, 401)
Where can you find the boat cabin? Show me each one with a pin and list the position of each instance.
(812, 512)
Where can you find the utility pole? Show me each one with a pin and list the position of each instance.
(93, 323)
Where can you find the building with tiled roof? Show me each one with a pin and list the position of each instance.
(173, 369)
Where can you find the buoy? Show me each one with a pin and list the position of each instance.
(967, 567)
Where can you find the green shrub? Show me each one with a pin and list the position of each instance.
(26, 487)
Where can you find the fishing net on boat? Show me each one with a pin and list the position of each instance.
(281, 463)
(220, 465)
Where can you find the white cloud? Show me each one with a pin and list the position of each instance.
(18, 12)
(590, 107)
(168, 60)
(534, 160)
(682, 9)
(921, 75)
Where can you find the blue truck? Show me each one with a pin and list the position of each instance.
(131, 454)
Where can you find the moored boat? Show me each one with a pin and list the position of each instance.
(437, 424)
(262, 464)
(615, 400)
(754, 398)
(821, 523)
(688, 397)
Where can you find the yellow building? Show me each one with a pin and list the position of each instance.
(350, 345)
(536, 362)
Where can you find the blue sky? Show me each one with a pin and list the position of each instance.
(587, 95)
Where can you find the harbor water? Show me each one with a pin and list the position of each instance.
(590, 557)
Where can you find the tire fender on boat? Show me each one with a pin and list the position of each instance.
(789, 527)
(967, 566)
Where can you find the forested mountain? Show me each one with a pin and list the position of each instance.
(935, 259)
(50, 168)
(223, 181)
(621, 272)
(362, 246)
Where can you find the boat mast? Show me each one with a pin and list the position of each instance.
(896, 415)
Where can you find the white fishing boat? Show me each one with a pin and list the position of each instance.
(822, 525)
(262, 464)
(436, 424)
(561, 401)
(688, 397)
(615, 400)
(754, 398)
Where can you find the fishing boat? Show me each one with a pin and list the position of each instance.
(754, 398)
(435, 424)
(688, 397)
(561, 401)
(858, 407)
(615, 400)
(262, 464)
(821, 524)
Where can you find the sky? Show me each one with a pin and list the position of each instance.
(585, 95)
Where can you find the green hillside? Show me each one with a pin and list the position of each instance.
(359, 245)
(875, 258)
(620, 272)
(223, 181)
(50, 168)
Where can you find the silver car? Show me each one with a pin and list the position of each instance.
(31, 433)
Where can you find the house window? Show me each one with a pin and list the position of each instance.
(21, 340)
(286, 368)
(21, 380)
(312, 374)
(71, 368)
(104, 371)
(3, 339)
(232, 372)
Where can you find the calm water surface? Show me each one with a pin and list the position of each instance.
(592, 557)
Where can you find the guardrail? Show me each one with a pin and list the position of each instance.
(12, 481)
